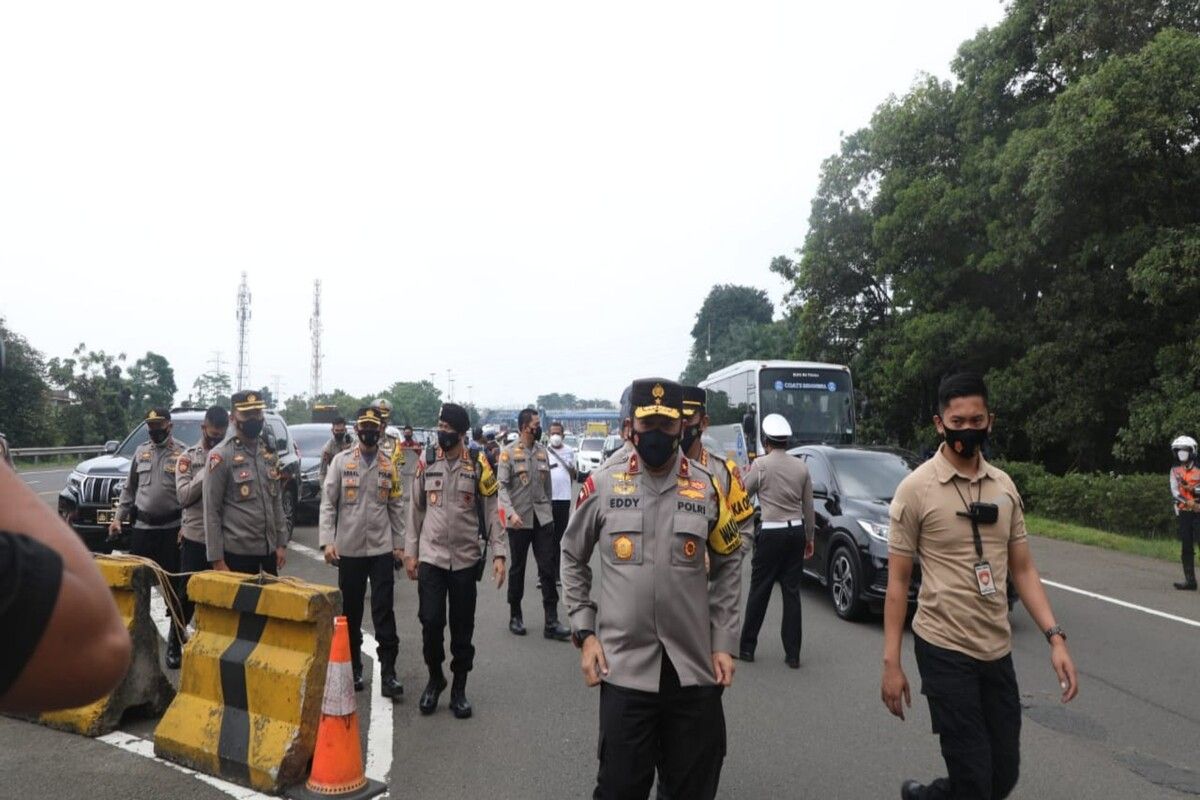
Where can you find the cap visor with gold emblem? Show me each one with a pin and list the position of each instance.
(158, 415)
(656, 397)
(248, 401)
(369, 416)
(693, 401)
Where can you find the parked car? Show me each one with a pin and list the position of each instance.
(88, 501)
(852, 488)
(590, 455)
(612, 443)
(310, 439)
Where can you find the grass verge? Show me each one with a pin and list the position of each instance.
(1164, 549)
(61, 462)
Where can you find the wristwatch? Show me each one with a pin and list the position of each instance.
(579, 637)
(1055, 631)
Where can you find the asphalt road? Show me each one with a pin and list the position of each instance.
(1134, 732)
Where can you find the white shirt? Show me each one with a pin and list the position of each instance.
(560, 478)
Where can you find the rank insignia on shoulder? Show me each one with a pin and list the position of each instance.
(587, 490)
(184, 464)
(214, 459)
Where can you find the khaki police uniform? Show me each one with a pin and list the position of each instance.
(331, 449)
(361, 517)
(243, 506)
(524, 477)
(659, 618)
(443, 533)
(784, 490)
(189, 489)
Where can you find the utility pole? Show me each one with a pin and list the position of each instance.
(450, 383)
(276, 390)
(470, 394)
(215, 362)
(314, 325)
(243, 319)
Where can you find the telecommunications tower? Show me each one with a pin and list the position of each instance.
(243, 319)
(314, 325)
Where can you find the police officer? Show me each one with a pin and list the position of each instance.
(388, 443)
(453, 507)
(1185, 488)
(189, 488)
(339, 440)
(661, 638)
(784, 490)
(524, 476)
(244, 526)
(362, 533)
(150, 491)
(736, 509)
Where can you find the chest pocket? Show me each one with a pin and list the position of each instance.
(621, 537)
(143, 473)
(384, 487)
(350, 489)
(434, 491)
(244, 484)
(687, 545)
(168, 470)
(466, 489)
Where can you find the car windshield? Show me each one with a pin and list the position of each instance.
(591, 445)
(185, 430)
(870, 475)
(311, 439)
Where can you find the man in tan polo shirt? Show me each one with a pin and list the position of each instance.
(963, 518)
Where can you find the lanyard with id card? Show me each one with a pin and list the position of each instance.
(980, 513)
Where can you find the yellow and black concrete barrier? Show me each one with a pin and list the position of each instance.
(253, 678)
(145, 687)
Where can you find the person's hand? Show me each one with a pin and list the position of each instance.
(221, 566)
(410, 567)
(280, 557)
(1064, 667)
(331, 556)
(895, 687)
(592, 661)
(514, 520)
(723, 668)
(114, 527)
(809, 547)
(398, 555)
(498, 571)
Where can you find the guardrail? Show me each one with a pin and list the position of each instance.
(38, 453)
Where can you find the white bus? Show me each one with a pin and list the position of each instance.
(816, 399)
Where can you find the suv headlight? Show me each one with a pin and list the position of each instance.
(311, 474)
(875, 530)
(75, 480)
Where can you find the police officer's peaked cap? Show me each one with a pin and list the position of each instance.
(455, 416)
(656, 396)
(693, 400)
(775, 426)
(158, 414)
(369, 415)
(248, 400)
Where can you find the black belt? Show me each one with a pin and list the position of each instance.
(158, 519)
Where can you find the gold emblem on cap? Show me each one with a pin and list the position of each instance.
(658, 392)
(252, 398)
(153, 415)
(623, 548)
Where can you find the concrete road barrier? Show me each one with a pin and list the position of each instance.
(253, 678)
(145, 688)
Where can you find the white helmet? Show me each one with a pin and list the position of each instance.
(775, 426)
(1184, 443)
(384, 408)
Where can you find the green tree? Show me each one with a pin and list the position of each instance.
(95, 380)
(414, 403)
(24, 405)
(296, 410)
(733, 323)
(212, 388)
(151, 385)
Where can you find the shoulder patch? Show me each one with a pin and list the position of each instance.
(184, 464)
(214, 459)
(587, 490)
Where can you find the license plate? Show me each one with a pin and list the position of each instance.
(105, 516)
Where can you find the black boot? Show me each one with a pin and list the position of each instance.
(358, 679)
(1188, 584)
(458, 696)
(555, 630)
(911, 790)
(389, 686)
(433, 690)
(174, 652)
(516, 624)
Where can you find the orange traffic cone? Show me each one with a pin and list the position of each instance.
(337, 768)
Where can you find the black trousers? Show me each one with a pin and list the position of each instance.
(562, 515)
(976, 711)
(678, 730)
(545, 552)
(161, 546)
(193, 557)
(1189, 537)
(353, 574)
(434, 587)
(252, 564)
(778, 558)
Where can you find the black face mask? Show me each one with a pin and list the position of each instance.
(536, 433)
(690, 435)
(966, 442)
(342, 437)
(408, 437)
(369, 438)
(159, 436)
(251, 428)
(212, 441)
(447, 440)
(655, 447)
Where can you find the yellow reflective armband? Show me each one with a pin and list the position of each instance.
(726, 536)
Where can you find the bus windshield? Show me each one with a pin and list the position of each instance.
(817, 403)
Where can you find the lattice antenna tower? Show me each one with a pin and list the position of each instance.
(314, 325)
(243, 320)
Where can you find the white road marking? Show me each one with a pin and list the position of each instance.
(379, 730)
(145, 748)
(1123, 603)
(51, 491)
(42, 471)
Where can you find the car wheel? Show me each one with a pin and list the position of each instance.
(289, 510)
(845, 583)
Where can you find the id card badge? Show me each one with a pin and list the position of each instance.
(983, 576)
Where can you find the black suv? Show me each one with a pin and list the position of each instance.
(852, 488)
(93, 488)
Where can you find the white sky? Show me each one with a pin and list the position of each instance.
(547, 189)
